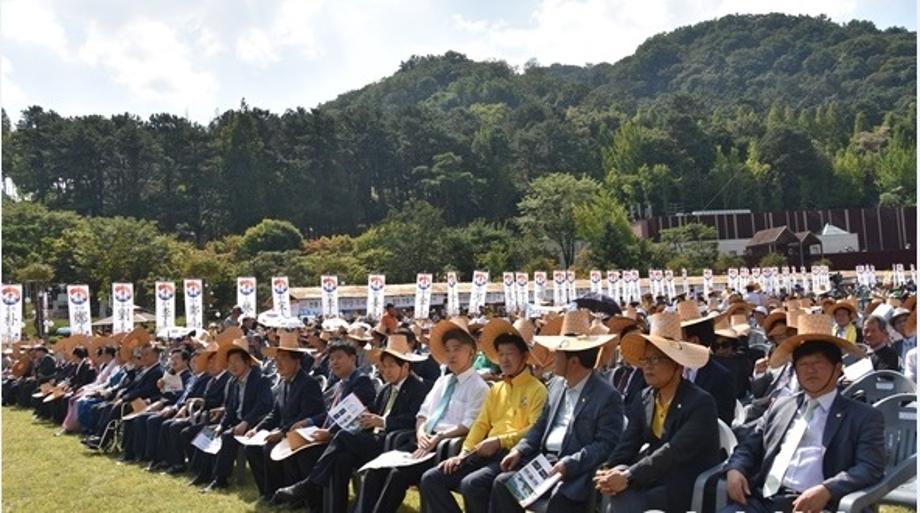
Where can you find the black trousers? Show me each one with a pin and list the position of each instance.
(384, 490)
(296, 469)
(345, 454)
(219, 467)
(268, 473)
(169, 447)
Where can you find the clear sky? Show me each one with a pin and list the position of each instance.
(196, 58)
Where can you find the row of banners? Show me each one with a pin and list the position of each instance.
(519, 292)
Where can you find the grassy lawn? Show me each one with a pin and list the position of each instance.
(43, 473)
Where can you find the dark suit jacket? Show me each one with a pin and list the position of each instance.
(357, 383)
(633, 382)
(853, 437)
(84, 374)
(215, 393)
(886, 358)
(257, 400)
(144, 386)
(304, 399)
(428, 370)
(741, 368)
(719, 382)
(689, 443)
(46, 369)
(196, 387)
(321, 368)
(408, 401)
(595, 429)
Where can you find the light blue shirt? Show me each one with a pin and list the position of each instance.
(564, 416)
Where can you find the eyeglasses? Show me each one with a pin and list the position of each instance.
(651, 361)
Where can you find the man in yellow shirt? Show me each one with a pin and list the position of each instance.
(511, 407)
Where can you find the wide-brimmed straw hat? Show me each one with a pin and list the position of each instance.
(136, 338)
(690, 314)
(665, 334)
(398, 347)
(360, 332)
(230, 339)
(575, 334)
(498, 327)
(291, 444)
(843, 303)
(436, 337)
(812, 328)
(287, 341)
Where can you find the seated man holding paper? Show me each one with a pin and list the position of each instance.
(171, 386)
(394, 409)
(511, 407)
(672, 434)
(812, 448)
(447, 412)
(299, 453)
(249, 398)
(298, 395)
(581, 422)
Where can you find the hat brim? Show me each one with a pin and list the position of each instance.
(685, 354)
(282, 450)
(272, 351)
(573, 343)
(710, 317)
(783, 353)
(374, 356)
(491, 331)
(837, 306)
(436, 338)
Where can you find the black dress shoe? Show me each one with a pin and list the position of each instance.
(198, 481)
(290, 494)
(175, 469)
(214, 486)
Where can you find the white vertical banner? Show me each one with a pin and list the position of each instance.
(707, 283)
(122, 307)
(559, 288)
(784, 279)
(656, 282)
(733, 279)
(78, 308)
(166, 304)
(521, 282)
(376, 288)
(11, 321)
(508, 290)
(756, 276)
(570, 281)
(613, 286)
(816, 283)
(873, 278)
(478, 292)
(635, 287)
(539, 287)
(194, 303)
(246, 295)
(744, 278)
(453, 295)
(767, 274)
(281, 296)
(913, 273)
(902, 277)
(330, 292)
(669, 287)
(685, 281)
(422, 295)
(595, 278)
(806, 282)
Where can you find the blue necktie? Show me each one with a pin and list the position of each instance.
(442, 405)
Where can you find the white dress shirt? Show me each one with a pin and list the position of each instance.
(806, 468)
(564, 416)
(465, 403)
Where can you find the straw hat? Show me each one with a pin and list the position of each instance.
(744, 308)
(792, 318)
(135, 339)
(875, 303)
(618, 323)
(910, 302)
(359, 332)
(912, 323)
(291, 444)
(397, 346)
(436, 337)
(737, 327)
(491, 331)
(287, 341)
(690, 314)
(575, 334)
(226, 345)
(665, 334)
(847, 305)
(776, 316)
(812, 327)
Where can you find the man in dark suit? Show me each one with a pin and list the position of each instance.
(672, 433)
(626, 379)
(248, 401)
(158, 425)
(394, 409)
(884, 356)
(134, 437)
(343, 363)
(810, 449)
(714, 377)
(42, 371)
(298, 396)
(582, 421)
(143, 385)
